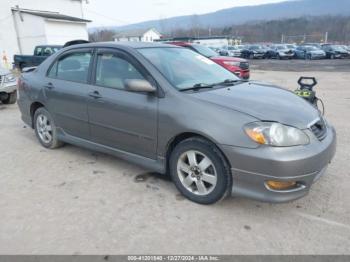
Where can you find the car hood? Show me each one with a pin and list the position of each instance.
(227, 58)
(260, 51)
(285, 50)
(4, 71)
(317, 52)
(264, 102)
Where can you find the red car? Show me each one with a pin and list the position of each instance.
(238, 66)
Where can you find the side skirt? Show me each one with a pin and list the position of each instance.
(158, 165)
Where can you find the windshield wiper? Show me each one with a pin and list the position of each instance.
(199, 86)
(231, 81)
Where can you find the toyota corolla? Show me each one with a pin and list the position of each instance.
(176, 112)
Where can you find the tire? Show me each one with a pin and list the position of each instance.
(46, 129)
(189, 179)
(11, 98)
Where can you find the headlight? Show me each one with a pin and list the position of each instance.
(231, 63)
(10, 78)
(276, 134)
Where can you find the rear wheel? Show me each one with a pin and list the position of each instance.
(45, 129)
(11, 98)
(200, 172)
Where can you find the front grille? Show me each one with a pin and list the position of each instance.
(319, 129)
(244, 65)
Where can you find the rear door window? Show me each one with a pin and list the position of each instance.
(73, 67)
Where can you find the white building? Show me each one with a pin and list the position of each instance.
(142, 35)
(27, 23)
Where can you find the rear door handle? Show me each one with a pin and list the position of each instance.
(95, 95)
(49, 86)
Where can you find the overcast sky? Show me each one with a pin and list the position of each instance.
(122, 12)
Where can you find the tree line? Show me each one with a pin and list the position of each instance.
(296, 30)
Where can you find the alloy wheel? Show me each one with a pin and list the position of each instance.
(197, 173)
(44, 129)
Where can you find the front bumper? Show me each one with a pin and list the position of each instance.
(284, 55)
(318, 56)
(8, 87)
(258, 55)
(244, 74)
(252, 168)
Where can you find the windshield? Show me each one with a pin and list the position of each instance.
(281, 47)
(255, 47)
(311, 48)
(206, 51)
(337, 48)
(184, 68)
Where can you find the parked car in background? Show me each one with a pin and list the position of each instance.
(291, 47)
(8, 87)
(175, 112)
(280, 52)
(317, 45)
(346, 48)
(309, 52)
(235, 51)
(238, 66)
(335, 51)
(223, 51)
(254, 52)
(40, 54)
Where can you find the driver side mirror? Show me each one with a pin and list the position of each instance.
(139, 85)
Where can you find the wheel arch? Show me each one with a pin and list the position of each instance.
(33, 107)
(174, 141)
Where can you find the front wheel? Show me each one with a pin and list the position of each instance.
(11, 98)
(200, 172)
(45, 129)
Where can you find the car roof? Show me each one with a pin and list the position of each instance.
(49, 46)
(180, 43)
(133, 45)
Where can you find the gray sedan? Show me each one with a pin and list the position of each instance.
(309, 52)
(176, 112)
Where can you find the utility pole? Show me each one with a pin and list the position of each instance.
(282, 39)
(326, 38)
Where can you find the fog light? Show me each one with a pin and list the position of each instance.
(278, 185)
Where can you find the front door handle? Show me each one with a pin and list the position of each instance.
(49, 86)
(95, 95)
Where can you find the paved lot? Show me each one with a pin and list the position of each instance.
(74, 201)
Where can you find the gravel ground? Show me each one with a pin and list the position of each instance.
(74, 201)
